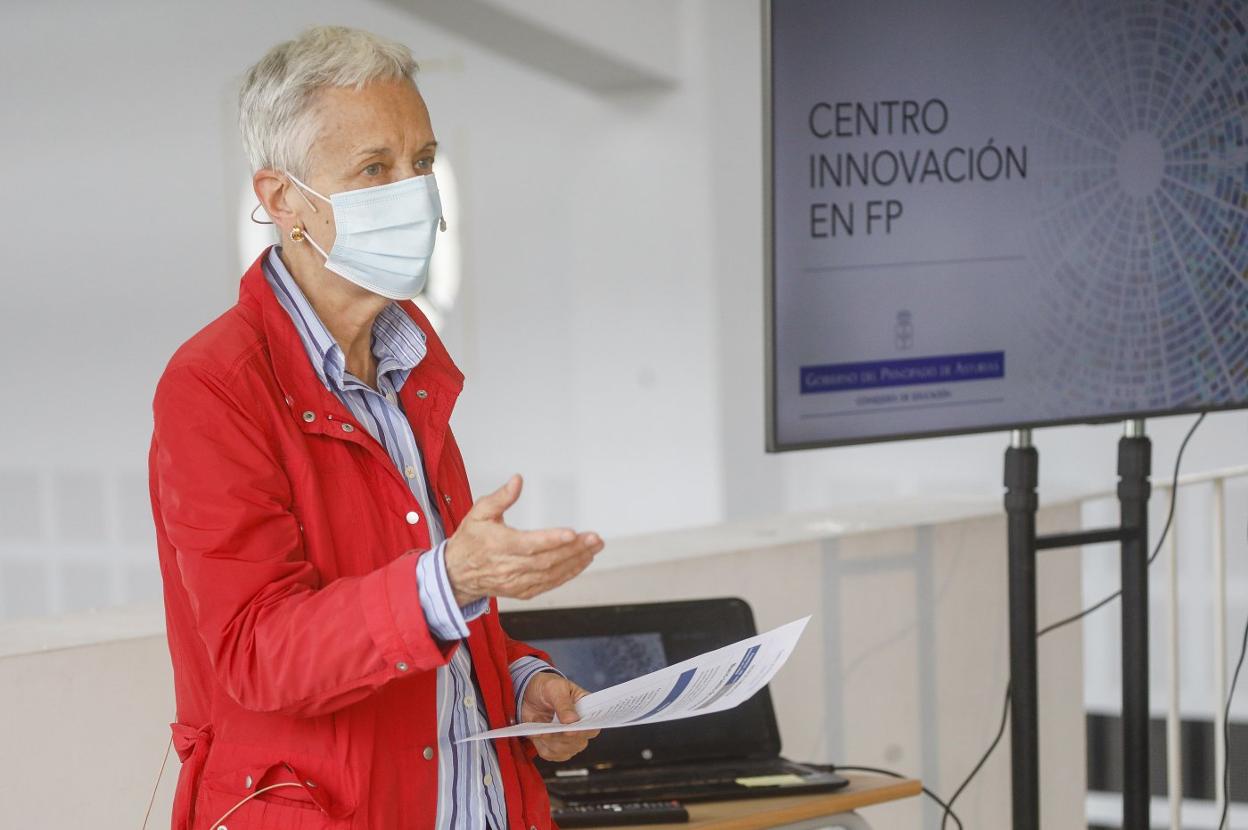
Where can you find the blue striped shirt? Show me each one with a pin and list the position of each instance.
(470, 791)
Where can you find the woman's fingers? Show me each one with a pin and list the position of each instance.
(506, 562)
(551, 568)
(583, 549)
(492, 507)
(535, 542)
(560, 746)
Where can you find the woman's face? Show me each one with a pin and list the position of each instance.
(370, 136)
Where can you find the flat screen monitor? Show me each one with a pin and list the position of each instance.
(993, 214)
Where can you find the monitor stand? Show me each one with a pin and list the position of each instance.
(1022, 463)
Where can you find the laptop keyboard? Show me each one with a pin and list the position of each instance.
(679, 782)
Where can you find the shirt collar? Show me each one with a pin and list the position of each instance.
(398, 342)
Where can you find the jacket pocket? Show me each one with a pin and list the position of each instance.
(242, 789)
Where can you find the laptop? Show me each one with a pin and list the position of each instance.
(724, 755)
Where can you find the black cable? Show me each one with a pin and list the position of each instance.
(891, 774)
(1226, 733)
(1165, 531)
(1005, 717)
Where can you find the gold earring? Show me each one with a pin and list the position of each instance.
(296, 234)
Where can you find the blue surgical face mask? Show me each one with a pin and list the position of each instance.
(385, 234)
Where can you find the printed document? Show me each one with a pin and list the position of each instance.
(711, 682)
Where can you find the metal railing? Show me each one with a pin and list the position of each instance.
(1174, 750)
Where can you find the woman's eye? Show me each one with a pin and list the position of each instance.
(424, 164)
(373, 169)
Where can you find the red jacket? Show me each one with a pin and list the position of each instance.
(288, 545)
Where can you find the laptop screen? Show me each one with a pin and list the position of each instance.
(601, 646)
(596, 663)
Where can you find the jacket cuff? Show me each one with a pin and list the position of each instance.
(396, 622)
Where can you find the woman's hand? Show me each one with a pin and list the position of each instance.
(485, 557)
(547, 695)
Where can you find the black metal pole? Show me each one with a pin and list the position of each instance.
(1134, 468)
(1022, 465)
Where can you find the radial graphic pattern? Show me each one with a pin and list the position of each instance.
(1140, 240)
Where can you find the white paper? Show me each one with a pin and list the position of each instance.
(711, 682)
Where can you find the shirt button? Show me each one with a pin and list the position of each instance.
(422, 394)
(309, 416)
(401, 666)
(412, 517)
(489, 779)
(409, 471)
(390, 397)
(428, 753)
(348, 428)
(469, 702)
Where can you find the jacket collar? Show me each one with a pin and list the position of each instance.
(295, 374)
(397, 341)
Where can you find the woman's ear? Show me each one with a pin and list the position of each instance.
(273, 191)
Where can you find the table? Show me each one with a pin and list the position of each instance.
(799, 812)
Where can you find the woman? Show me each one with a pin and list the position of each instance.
(329, 583)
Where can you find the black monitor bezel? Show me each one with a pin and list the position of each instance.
(773, 443)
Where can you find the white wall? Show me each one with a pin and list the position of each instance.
(610, 322)
(583, 246)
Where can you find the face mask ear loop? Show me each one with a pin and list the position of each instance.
(258, 221)
(318, 248)
(300, 186)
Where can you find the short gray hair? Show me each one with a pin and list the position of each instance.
(276, 104)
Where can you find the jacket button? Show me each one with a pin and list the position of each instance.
(348, 428)
(422, 394)
(428, 753)
(401, 666)
(247, 782)
(412, 517)
(309, 416)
